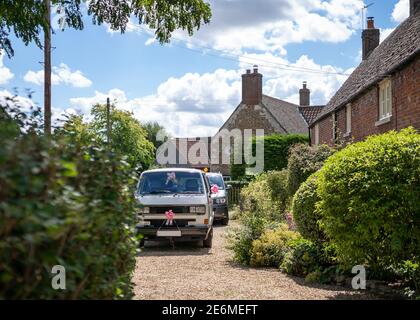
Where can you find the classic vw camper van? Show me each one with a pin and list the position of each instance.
(175, 204)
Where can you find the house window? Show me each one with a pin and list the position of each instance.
(334, 127)
(385, 99)
(316, 133)
(348, 119)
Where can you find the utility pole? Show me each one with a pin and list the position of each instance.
(108, 122)
(47, 69)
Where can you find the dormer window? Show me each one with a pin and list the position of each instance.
(385, 99)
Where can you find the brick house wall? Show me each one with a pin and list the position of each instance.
(365, 109)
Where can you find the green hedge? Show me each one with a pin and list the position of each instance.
(276, 152)
(64, 204)
(303, 161)
(370, 200)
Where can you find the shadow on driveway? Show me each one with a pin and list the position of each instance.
(163, 248)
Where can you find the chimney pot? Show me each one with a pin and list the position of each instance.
(255, 69)
(370, 38)
(370, 23)
(248, 71)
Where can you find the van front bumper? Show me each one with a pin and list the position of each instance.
(187, 232)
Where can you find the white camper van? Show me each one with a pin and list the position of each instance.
(175, 204)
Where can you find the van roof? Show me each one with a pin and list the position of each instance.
(174, 170)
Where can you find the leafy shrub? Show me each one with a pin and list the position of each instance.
(369, 196)
(256, 197)
(277, 183)
(270, 248)
(64, 204)
(305, 214)
(240, 240)
(302, 258)
(409, 272)
(303, 161)
(266, 195)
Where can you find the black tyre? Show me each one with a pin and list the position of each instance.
(142, 243)
(208, 243)
(225, 221)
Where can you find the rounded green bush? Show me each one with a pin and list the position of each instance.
(370, 199)
(270, 248)
(304, 211)
(303, 161)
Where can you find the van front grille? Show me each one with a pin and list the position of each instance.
(162, 210)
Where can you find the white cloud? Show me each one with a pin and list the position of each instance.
(60, 75)
(5, 73)
(401, 10)
(24, 103)
(241, 25)
(198, 104)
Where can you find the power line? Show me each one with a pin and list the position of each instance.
(237, 58)
(274, 65)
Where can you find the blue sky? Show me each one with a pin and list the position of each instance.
(188, 88)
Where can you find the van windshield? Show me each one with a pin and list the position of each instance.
(171, 183)
(216, 180)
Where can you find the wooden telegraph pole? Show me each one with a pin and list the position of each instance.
(47, 69)
(108, 122)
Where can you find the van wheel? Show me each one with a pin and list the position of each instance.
(225, 221)
(208, 243)
(142, 243)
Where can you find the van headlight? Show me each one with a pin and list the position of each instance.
(220, 200)
(144, 210)
(198, 209)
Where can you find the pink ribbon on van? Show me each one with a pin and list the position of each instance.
(169, 217)
(214, 189)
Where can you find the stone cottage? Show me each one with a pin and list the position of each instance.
(255, 112)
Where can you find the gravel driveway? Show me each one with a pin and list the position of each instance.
(190, 272)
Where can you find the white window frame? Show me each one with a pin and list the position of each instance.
(385, 99)
(316, 133)
(348, 119)
(334, 127)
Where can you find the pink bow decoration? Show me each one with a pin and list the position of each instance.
(169, 217)
(214, 189)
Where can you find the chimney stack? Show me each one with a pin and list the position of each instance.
(304, 95)
(370, 38)
(414, 7)
(252, 87)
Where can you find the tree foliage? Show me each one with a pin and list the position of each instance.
(26, 19)
(127, 136)
(156, 133)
